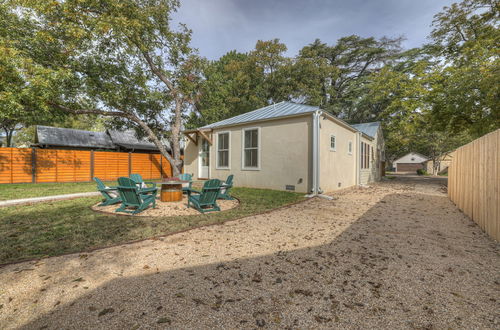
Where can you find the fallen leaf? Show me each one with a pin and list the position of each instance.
(164, 320)
(105, 311)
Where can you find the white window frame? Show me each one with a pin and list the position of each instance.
(259, 148)
(228, 167)
(335, 143)
(349, 148)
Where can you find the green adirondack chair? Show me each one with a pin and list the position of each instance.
(186, 177)
(226, 186)
(110, 194)
(137, 178)
(133, 197)
(206, 199)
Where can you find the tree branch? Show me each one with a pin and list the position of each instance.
(158, 72)
(151, 135)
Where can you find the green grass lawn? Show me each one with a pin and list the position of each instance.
(25, 190)
(54, 228)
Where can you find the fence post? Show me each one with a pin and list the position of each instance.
(91, 165)
(129, 163)
(33, 165)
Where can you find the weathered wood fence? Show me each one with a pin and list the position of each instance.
(19, 165)
(474, 182)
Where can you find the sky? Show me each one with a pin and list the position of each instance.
(223, 25)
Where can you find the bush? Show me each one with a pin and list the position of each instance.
(422, 172)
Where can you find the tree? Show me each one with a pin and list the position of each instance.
(111, 58)
(350, 62)
(437, 144)
(231, 86)
(12, 87)
(467, 85)
(270, 61)
(240, 82)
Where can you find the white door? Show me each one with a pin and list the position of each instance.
(204, 160)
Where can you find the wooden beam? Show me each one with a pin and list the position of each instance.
(206, 137)
(195, 140)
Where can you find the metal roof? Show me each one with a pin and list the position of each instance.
(129, 140)
(56, 136)
(282, 109)
(369, 129)
(68, 137)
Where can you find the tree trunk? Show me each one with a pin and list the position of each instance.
(176, 131)
(8, 137)
(151, 135)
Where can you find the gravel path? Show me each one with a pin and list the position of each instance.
(395, 255)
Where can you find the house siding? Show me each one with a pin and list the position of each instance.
(337, 168)
(285, 155)
(373, 173)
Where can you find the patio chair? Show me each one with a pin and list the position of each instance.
(110, 194)
(206, 199)
(186, 177)
(226, 186)
(132, 196)
(142, 185)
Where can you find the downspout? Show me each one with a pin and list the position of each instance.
(358, 154)
(316, 189)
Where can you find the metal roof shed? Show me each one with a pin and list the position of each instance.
(47, 136)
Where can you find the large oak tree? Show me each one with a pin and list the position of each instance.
(118, 58)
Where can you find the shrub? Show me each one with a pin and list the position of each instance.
(421, 171)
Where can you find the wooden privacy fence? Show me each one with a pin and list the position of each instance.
(19, 165)
(474, 182)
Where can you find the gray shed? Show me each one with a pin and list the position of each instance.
(128, 140)
(47, 136)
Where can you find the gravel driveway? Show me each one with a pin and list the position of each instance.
(395, 255)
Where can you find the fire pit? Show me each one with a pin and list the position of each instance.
(171, 190)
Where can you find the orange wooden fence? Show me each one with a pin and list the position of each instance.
(20, 165)
(474, 182)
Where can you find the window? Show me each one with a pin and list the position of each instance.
(365, 155)
(251, 148)
(333, 143)
(349, 148)
(223, 150)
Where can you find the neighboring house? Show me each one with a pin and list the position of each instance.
(442, 164)
(67, 138)
(286, 146)
(410, 163)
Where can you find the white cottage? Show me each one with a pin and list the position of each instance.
(286, 146)
(410, 163)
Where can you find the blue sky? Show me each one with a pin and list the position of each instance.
(223, 25)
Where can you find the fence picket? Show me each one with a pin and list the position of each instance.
(474, 182)
(20, 165)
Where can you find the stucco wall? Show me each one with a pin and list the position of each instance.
(285, 155)
(337, 168)
(191, 158)
(372, 173)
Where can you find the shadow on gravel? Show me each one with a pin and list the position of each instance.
(402, 264)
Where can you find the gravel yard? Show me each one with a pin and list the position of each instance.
(167, 209)
(397, 254)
